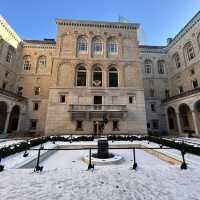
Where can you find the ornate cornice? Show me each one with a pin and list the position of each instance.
(184, 30)
(97, 24)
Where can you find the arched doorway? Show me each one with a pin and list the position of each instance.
(173, 127)
(197, 113)
(14, 119)
(186, 118)
(3, 115)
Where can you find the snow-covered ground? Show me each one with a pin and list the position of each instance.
(65, 176)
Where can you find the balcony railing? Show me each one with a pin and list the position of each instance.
(12, 94)
(183, 94)
(97, 107)
(97, 112)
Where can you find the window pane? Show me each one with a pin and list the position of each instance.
(81, 78)
(97, 79)
(113, 79)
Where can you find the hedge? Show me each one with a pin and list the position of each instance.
(16, 148)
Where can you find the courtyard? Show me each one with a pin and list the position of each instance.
(66, 176)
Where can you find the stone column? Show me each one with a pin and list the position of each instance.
(19, 122)
(7, 122)
(195, 122)
(178, 123)
(167, 121)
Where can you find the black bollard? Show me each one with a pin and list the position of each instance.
(184, 164)
(38, 168)
(1, 166)
(90, 165)
(25, 154)
(134, 160)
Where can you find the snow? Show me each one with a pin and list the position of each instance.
(65, 176)
(5, 143)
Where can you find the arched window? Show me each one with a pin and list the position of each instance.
(27, 62)
(10, 54)
(113, 77)
(148, 66)
(96, 76)
(176, 60)
(1, 45)
(189, 51)
(198, 40)
(161, 66)
(112, 46)
(41, 64)
(80, 76)
(82, 46)
(97, 46)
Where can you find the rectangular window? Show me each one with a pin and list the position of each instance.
(131, 99)
(152, 92)
(113, 79)
(166, 93)
(97, 99)
(155, 124)
(35, 106)
(153, 107)
(62, 98)
(115, 125)
(79, 126)
(20, 91)
(195, 83)
(36, 91)
(192, 71)
(33, 125)
(4, 85)
(81, 78)
(180, 89)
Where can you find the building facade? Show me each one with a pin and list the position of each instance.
(96, 72)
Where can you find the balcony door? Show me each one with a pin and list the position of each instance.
(98, 128)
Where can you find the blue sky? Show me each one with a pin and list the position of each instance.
(159, 19)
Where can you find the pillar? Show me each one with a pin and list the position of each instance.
(7, 122)
(178, 123)
(195, 122)
(19, 122)
(167, 121)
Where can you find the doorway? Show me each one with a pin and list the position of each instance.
(98, 128)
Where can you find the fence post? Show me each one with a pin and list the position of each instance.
(90, 165)
(1, 166)
(38, 168)
(134, 160)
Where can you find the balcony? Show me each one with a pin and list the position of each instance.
(13, 95)
(97, 112)
(183, 94)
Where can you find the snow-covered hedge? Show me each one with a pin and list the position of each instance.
(176, 145)
(22, 146)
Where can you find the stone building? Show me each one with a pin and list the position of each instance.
(97, 71)
(89, 74)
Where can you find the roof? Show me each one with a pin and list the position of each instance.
(185, 29)
(45, 41)
(100, 24)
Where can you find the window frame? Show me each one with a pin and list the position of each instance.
(81, 71)
(97, 70)
(112, 71)
(189, 51)
(27, 65)
(148, 66)
(161, 67)
(82, 45)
